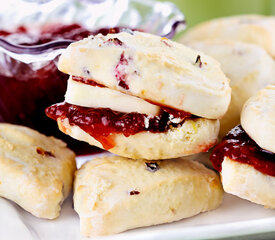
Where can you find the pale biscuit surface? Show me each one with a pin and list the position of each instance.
(258, 118)
(154, 69)
(248, 67)
(254, 29)
(194, 136)
(246, 182)
(113, 194)
(36, 171)
(101, 97)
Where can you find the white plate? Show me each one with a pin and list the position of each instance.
(234, 218)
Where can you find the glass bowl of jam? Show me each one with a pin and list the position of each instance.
(26, 89)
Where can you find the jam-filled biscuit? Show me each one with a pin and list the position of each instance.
(249, 68)
(254, 29)
(113, 194)
(36, 171)
(152, 68)
(246, 156)
(141, 96)
(258, 118)
(246, 182)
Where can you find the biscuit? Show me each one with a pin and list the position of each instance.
(194, 136)
(248, 183)
(152, 68)
(113, 194)
(258, 118)
(248, 67)
(101, 97)
(36, 171)
(254, 29)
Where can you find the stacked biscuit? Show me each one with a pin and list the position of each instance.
(145, 98)
(245, 47)
(246, 156)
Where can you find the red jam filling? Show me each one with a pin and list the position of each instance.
(238, 146)
(102, 123)
(26, 89)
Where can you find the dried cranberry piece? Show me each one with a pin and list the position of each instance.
(120, 73)
(134, 192)
(198, 61)
(115, 41)
(152, 166)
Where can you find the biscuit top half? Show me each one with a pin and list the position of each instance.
(258, 118)
(152, 68)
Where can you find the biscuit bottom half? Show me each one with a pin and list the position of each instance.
(114, 194)
(192, 137)
(248, 183)
(137, 135)
(246, 169)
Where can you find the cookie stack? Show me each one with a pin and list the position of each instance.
(146, 99)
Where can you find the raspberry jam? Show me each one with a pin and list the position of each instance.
(27, 89)
(102, 123)
(238, 146)
(55, 31)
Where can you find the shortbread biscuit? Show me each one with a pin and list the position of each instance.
(258, 118)
(113, 194)
(254, 29)
(249, 68)
(194, 136)
(152, 68)
(248, 183)
(36, 171)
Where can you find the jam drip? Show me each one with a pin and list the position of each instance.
(238, 146)
(102, 123)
